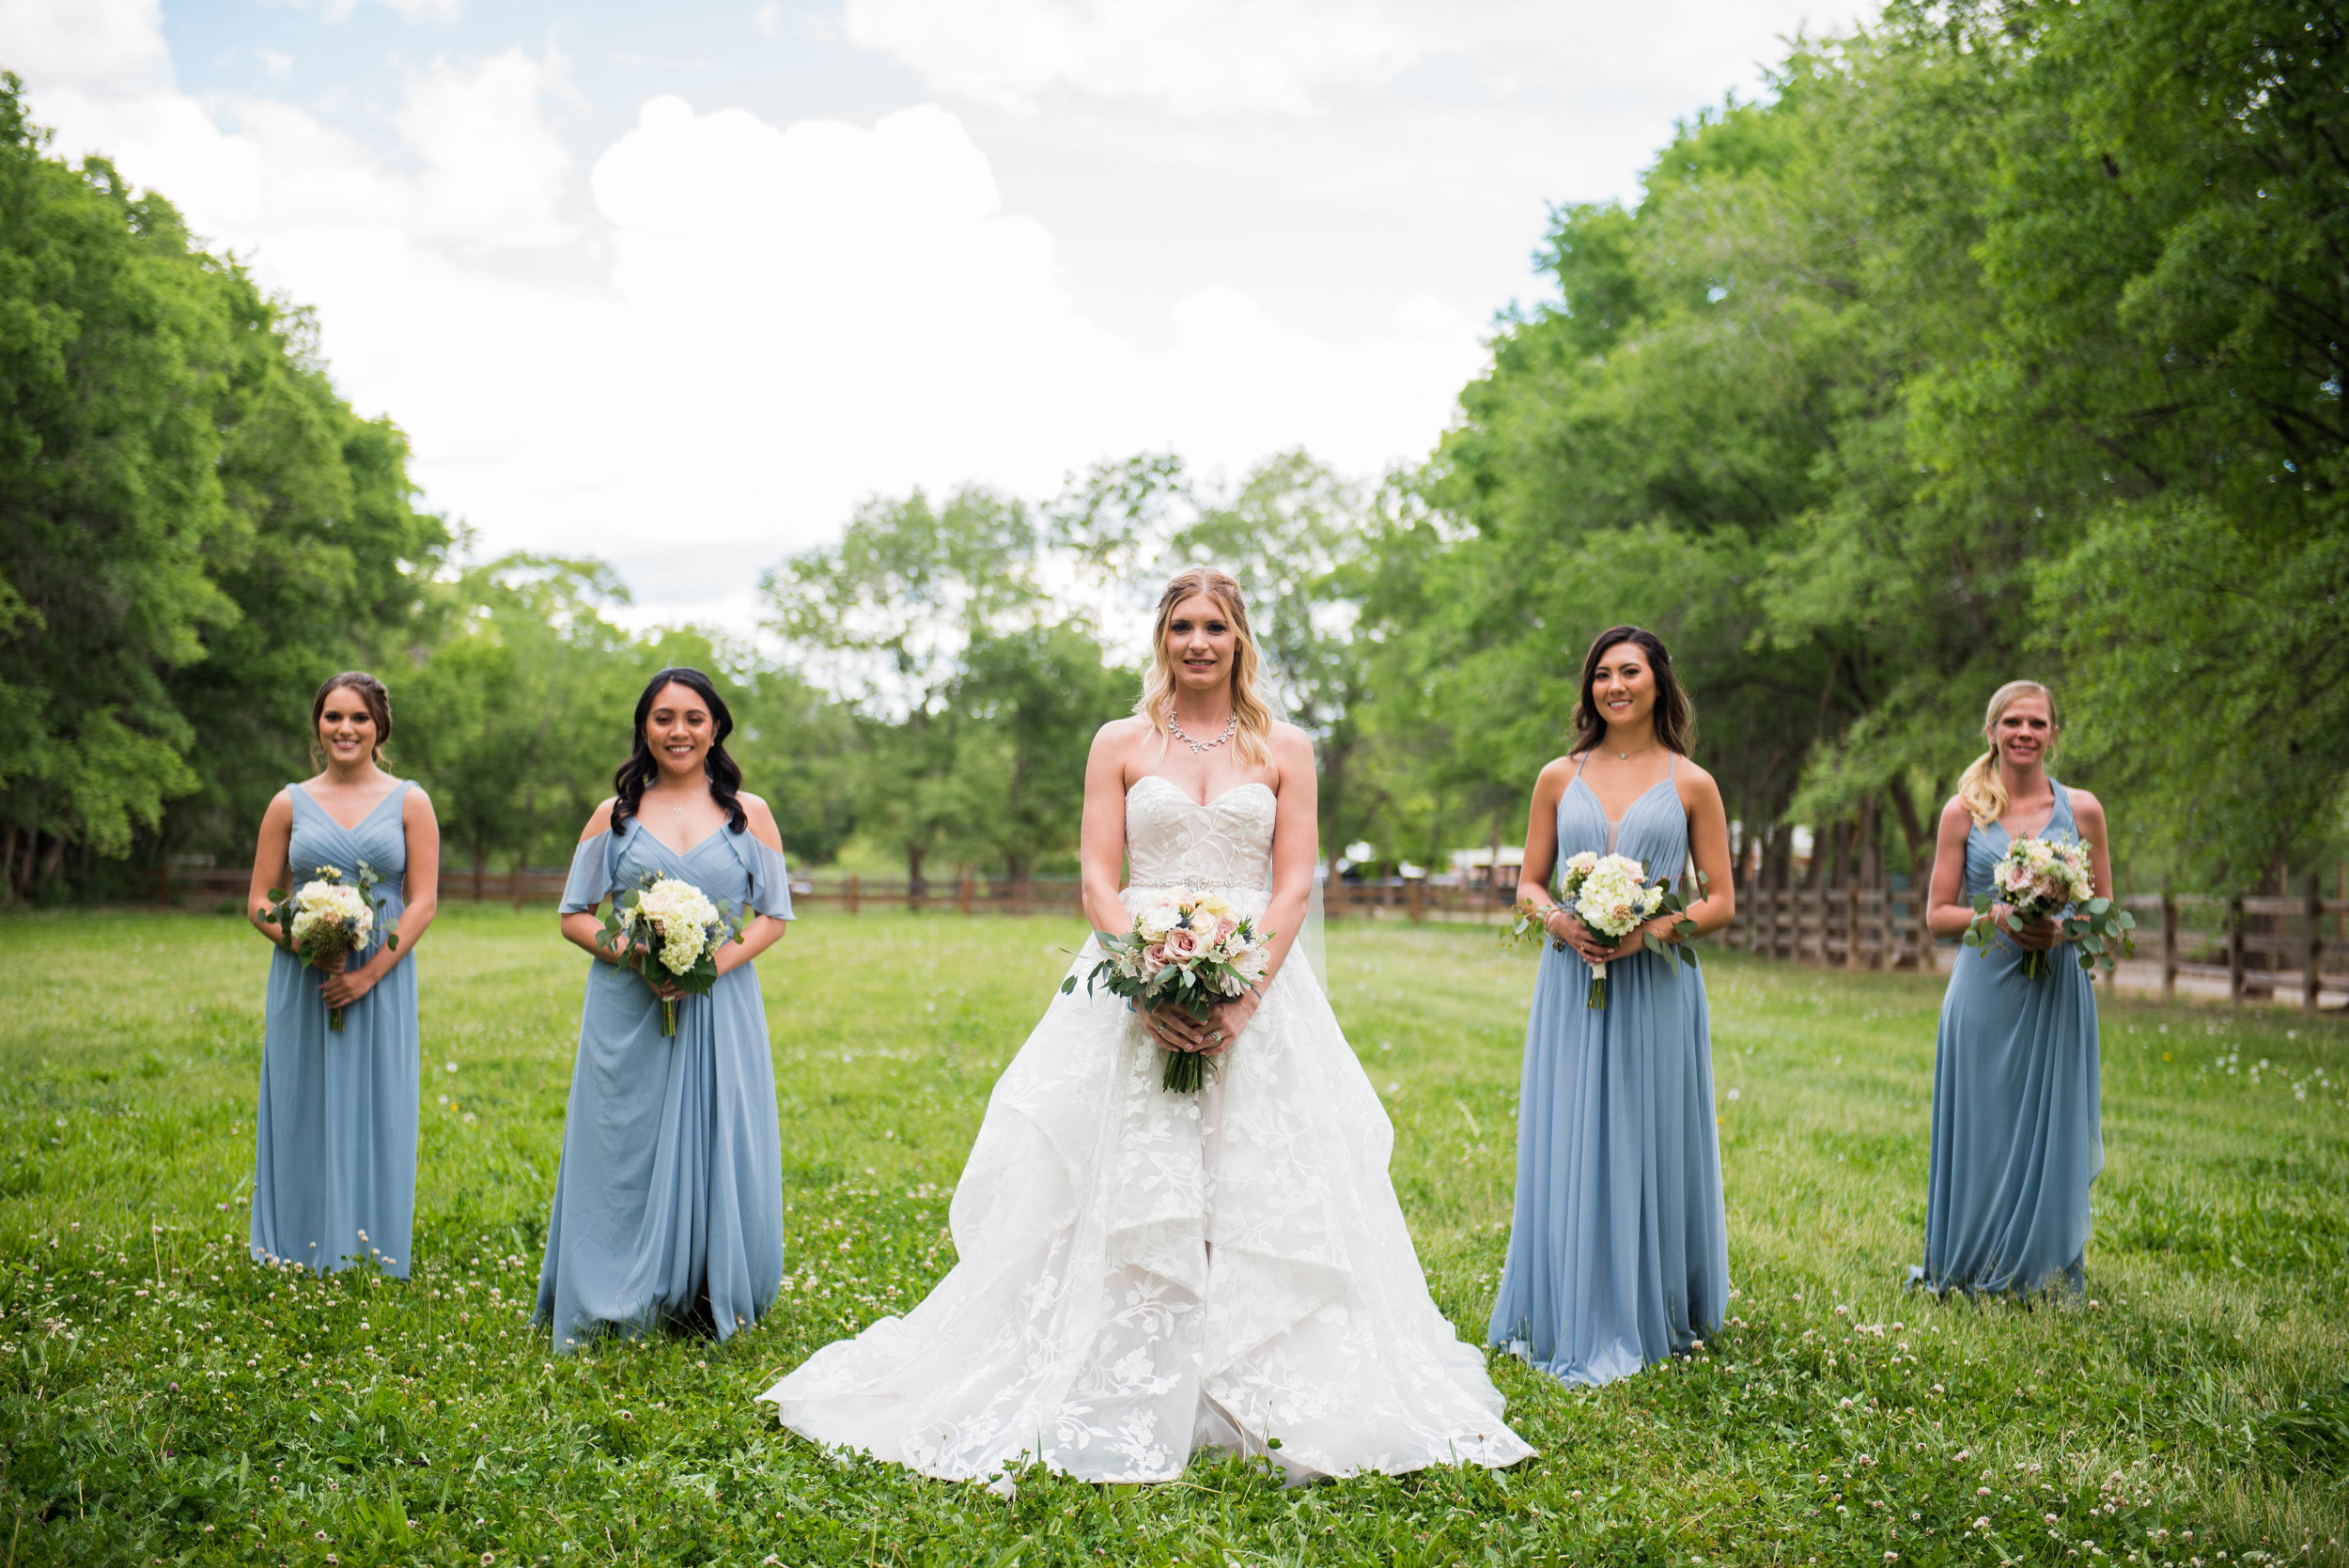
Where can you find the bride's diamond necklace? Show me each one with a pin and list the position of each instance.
(1230, 725)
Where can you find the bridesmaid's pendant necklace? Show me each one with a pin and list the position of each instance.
(1230, 725)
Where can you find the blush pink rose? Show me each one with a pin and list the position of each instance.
(1223, 930)
(1154, 957)
(1183, 944)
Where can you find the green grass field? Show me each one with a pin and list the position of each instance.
(164, 1400)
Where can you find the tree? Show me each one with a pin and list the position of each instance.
(193, 529)
(887, 614)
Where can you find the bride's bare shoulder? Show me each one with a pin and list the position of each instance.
(1292, 749)
(1115, 743)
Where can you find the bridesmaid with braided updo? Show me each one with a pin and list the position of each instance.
(2017, 1139)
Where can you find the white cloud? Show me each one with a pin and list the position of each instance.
(697, 346)
(102, 46)
(768, 19)
(494, 170)
(1196, 57)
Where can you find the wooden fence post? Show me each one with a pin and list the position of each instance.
(855, 886)
(962, 894)
(2311, 975)
(2168, 942)
(2235, 950)
(163, 884)
(1419, 901)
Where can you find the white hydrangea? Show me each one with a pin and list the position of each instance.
(1609, 895)
(683, 915)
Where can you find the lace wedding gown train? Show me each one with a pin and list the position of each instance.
(1143, 1273)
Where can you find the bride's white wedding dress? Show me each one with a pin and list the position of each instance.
(1144, 1273)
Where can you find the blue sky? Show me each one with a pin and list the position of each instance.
(680, 284)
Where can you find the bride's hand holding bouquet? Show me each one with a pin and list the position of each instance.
(1192, 968)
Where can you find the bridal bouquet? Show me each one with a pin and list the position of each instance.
(326, 919)
(1189, 950)
(674, 924)
(2039, 878)
(1609, 894)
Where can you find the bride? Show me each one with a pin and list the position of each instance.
(1146, 1273)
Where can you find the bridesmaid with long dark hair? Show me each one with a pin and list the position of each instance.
(335, 1134)
(1619, 1252)
(668, 1206)
(2017, 1135)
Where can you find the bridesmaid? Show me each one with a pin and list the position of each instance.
(668, 1206)
(334, 1138)
(2015, 1132)
(1619, 1253)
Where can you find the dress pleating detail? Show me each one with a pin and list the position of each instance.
(668, 1204)
(1618, 1246)
(334, 1131)
(2017, 1136)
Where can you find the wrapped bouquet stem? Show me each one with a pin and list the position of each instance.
(1187, 950)
(327, 919)
(671, 923)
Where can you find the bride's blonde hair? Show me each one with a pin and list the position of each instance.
(1980, 786)
(1252, 736)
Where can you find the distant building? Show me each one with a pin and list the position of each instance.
(1474, 868)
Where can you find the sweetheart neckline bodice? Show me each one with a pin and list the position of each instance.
(1173, 840)
(1212, 800)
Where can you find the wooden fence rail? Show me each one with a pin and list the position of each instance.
(1414, 898)
(1854, 926)
(2197, 936)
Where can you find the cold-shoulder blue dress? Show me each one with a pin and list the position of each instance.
(1619, 1250)
(2017, 1135)
(668, 1205)
(335, 1133)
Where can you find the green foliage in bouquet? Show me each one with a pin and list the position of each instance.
(2100, 928)
(633, 938)
(329, 940)
(1525, 930)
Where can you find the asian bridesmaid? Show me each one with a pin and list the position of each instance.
(2016, 1136)
(1618, 1250)
(668, 1206)
(335, 1135)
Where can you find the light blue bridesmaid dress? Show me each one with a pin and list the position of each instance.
(1619, 1252)
(335, 1137)
(668, 1206)
(2016, 1136)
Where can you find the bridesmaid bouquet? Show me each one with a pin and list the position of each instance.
(1609, 894)
(327, 919)
(672, 923)
(1189, 950)
(2040, 878)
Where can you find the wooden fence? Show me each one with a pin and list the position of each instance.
(1396, 897)
(2263, 947)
